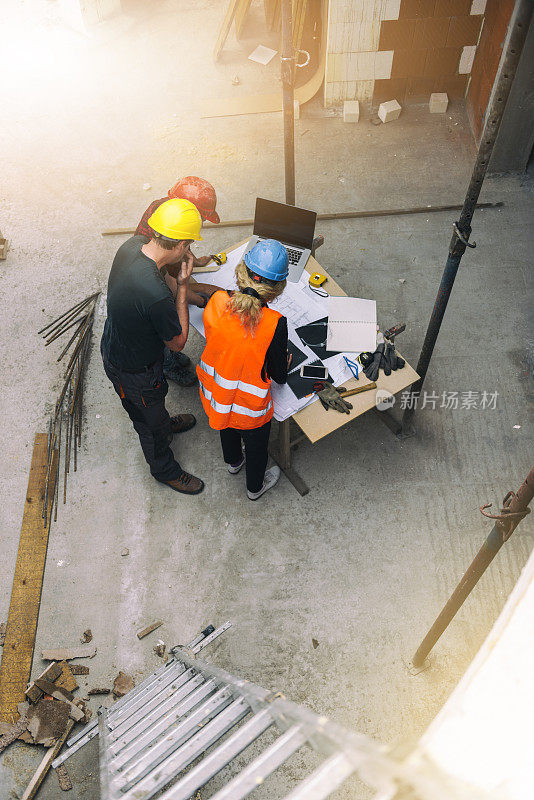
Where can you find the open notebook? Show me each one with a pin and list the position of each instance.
(351, 325)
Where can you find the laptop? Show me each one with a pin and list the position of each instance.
(293, 227)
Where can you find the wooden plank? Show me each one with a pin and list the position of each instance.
(268, 103)
(313, 420)
(27, 585)
(225, 28)
(269, 7)
(240, 16)
(44, 766)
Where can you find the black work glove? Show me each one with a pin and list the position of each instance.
(391, 358)
(372, 370)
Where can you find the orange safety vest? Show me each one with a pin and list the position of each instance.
(232, 391)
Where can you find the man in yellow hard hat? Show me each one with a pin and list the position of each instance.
(177, 366)
(143, 318)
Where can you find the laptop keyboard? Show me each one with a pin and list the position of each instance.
(294, 255)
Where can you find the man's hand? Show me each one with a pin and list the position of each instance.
(186, 269)
(289, 359)
(203, 261)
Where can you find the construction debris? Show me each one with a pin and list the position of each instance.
(389, 111)
(122, 684)
(79, 669)
(438, 102)
(51, 673)
(315, 643)
(47, 720)
(11, 732)
(65, 424)
(145, 631)
(160, 648)
(63, 778)
(98, 691)
(351, 111)
(87, 636)
(44, 766)
(2, 633)
(66, 680)
(3, 247)
(125, 551)
(66, 653)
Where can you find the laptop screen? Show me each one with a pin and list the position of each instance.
(286, 223)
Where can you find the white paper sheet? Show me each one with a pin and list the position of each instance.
(262, 54)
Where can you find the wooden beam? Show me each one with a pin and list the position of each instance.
(27, 585)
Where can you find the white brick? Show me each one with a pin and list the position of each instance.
(389, 111)
(466, 59)
(383, 64)
(351, 111)
(392, 8)
(478, 6)
(438, 103)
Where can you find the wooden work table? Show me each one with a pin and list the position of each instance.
(315, 422)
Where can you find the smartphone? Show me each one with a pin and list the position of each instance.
(316, 371)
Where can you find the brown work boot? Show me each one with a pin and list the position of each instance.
(183, 422)
(185, 483)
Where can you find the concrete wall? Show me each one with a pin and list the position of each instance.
(515, 139)
(403, 49)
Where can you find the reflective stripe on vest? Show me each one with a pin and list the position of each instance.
(227, 384)
(234, 408)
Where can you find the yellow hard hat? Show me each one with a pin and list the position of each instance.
(176, 220)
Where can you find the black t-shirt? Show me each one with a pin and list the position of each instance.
(141, 310)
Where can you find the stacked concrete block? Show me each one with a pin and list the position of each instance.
(438, 103)
(389, 111)
(351, 111)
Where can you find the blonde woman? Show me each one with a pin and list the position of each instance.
(246, 347)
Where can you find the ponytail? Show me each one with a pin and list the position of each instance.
(248, 305)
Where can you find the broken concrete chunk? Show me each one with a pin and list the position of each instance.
(98, 691)
(87, 636)
(12, 732)
(125, 551)
(160, 648)
(47, 720)
(351, 111)
(79, 669)
(66, 653)
(438, 102)
(148, 629)
(51, 673)
(66, 679)
(123, 684)
(63, 778)
(54, 691)
(389, 111)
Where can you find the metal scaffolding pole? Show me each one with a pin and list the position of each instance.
(288, 82)
(515, 508)
(518, 30)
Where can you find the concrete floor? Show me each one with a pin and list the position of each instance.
(367, 559)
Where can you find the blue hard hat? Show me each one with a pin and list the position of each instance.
(268, 259)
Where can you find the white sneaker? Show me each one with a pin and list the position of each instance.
(233, 469)
(270, 479)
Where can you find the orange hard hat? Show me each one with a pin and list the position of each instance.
(199, 192)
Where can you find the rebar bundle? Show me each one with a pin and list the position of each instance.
(65, 424)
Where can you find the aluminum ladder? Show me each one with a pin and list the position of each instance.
(189, 720)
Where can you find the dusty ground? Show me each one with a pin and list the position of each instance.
(367, 559)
